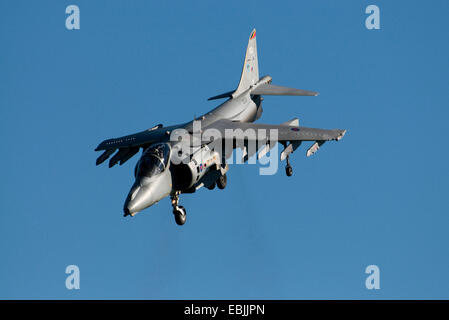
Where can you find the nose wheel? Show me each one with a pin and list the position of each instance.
(179, 211)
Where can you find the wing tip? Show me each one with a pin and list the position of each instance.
(341, 135)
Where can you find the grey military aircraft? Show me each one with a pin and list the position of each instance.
(156, 173)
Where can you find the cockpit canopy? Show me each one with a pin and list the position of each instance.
(154, 160)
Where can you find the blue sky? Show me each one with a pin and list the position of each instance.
(379, 196)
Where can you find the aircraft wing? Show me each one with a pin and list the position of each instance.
(129, 145)
(288, 132)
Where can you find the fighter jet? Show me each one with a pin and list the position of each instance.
(204, 164)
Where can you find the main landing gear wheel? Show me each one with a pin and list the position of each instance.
(212, 186)
(179, 211)
(180, 215)
(222, 181)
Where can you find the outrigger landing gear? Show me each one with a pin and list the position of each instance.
(288, 168)
(179, 211)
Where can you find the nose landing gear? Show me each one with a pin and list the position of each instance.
(179, 211)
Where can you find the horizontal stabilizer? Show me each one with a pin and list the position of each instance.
(221, 96)
(272, 90)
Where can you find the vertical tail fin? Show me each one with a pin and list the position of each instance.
(250, 72)
(250, 76)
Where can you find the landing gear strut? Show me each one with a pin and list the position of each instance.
(179, 211)
(288, 168)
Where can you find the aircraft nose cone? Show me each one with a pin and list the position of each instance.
(128, 207)
(139, 198)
